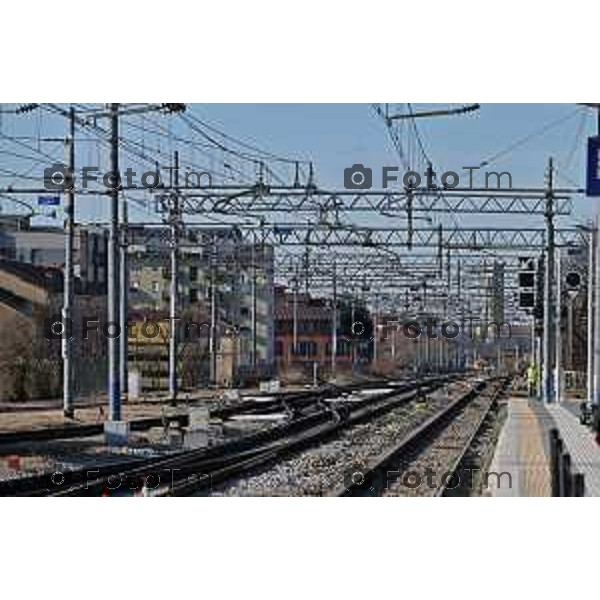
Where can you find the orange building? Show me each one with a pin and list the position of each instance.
(314, 333)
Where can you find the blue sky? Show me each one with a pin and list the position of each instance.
(335, 136)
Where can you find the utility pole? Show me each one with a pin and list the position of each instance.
(174, 223)
(440, 362)
(352, 317)
(590, 313)
(427, 340)
(67, 311)
(254, 312)
(213, 312)
(558, 345)
(569, 347)
(596, 312)
(124, 299)
(461, 339)
(548, 333)
(114, 383)
(295, 313)
(596, 338)
(533, 357)
(334, 321)
(375, 332)
(237, 291)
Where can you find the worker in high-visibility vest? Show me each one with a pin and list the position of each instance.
(532, 379)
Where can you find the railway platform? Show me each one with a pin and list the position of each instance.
(523, 449)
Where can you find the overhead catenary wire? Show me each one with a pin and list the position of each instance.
(259, 152)
(538, 132)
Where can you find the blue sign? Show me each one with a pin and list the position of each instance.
(593, 167)
(48, 200)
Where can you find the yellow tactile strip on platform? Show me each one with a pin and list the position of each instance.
(520, 454)
(535, 480)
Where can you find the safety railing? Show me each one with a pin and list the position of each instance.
(563, 481)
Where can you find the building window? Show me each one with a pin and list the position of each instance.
(306, 349)
(193, 296)
(193, 273)
(155, 286)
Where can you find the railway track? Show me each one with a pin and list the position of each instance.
(324, 466)
(184, 472)
(292, 403)
(427, 461)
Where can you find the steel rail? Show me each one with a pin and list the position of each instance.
(373, 478)
(232, 458)
(495, 393)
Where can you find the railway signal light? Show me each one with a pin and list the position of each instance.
(575, 268)
(526, 299)
(527, 282)
(573, 281)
